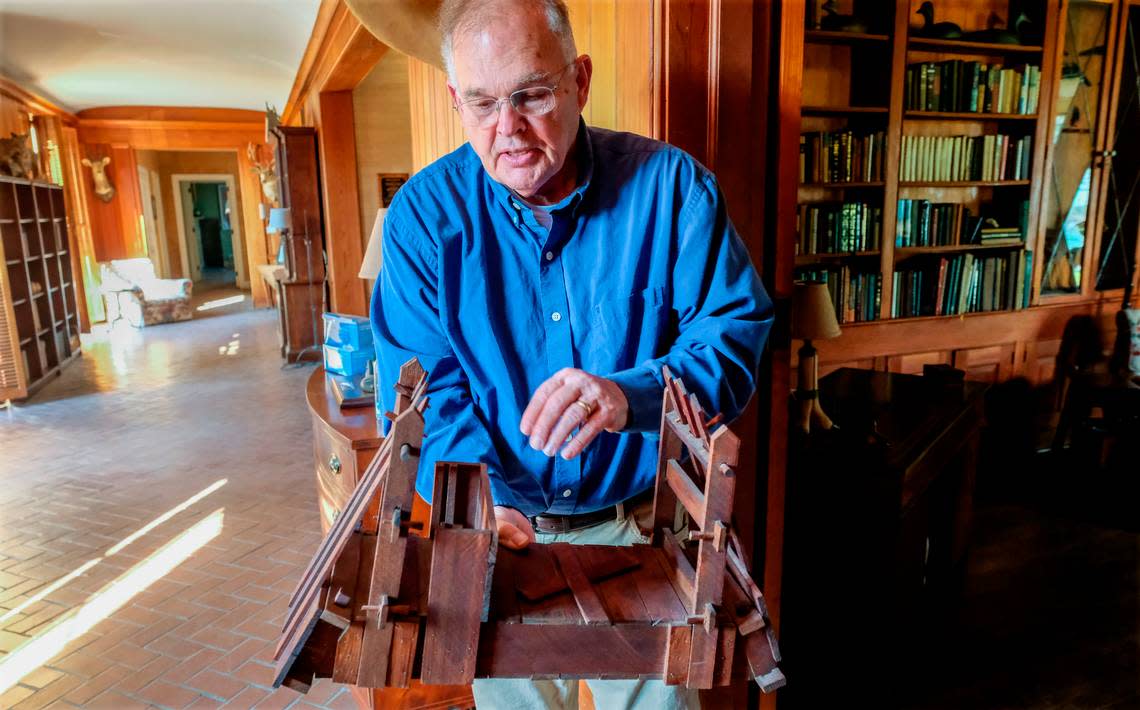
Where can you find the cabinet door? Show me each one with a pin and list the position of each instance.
(1116, 261)
(989, 364)
(1074, 187)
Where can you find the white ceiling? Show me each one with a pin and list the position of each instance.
(213, 53)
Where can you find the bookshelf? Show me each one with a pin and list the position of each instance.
(39, 322)
(1075, 199)
(959, 124)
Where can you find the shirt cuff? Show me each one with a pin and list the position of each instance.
(643, 392)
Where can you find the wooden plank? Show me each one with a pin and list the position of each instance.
(678, 570)
(460, 563)
(686, 491)
(571, 650)
(537, 575)
(696, 447)
(341, 197)
(677, 655)
(725, 649)
(504, 594)
(720, 484)
(657, 593)
(702, 656)
(622, 601)
(402, 660)
(589, 604)
(349, 585)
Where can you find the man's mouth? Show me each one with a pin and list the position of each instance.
(519, 156)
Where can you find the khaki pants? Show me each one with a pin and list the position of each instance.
(511, 693)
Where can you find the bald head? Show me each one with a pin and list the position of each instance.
(458, 18)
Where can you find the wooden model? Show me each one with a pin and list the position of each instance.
(387, 599)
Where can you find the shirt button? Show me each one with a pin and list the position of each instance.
(550, 256)
(567, 493)
(556, 316)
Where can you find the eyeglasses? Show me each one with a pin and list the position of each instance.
(483, 111)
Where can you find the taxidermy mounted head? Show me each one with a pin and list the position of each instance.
(104, 190)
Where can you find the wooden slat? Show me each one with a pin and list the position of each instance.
(725, 649)
(460, 561)
(612, 651)
(589, 604)
(702, 656)
(677, 655)
(402, 660)
(504, 594)
(657, 593)
(678, 570)
(696, 447)
(686, 491)
(537, 575)
(346, 577)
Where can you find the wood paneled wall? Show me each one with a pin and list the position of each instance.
(436, 130)
(115, 225)
(383, 130)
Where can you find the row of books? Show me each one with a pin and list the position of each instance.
(965, 158)
(972, 87)
(855, 295)
(838, 227)
(964, 283)
(921, 223)
(841, 156)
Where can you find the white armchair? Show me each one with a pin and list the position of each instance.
(132, 291)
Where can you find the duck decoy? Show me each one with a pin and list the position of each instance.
(994, 34)
(935, 30)
(834, 22)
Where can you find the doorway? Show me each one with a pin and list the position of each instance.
(209, 236)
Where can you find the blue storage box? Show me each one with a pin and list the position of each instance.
(351, 331)
(350, 362)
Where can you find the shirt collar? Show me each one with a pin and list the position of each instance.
(584, 147)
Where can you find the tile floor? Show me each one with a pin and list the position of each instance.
(157, 506)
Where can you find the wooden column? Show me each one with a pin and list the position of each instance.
(340, 182)
(253, 229)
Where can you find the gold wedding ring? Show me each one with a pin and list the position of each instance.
(586, 407)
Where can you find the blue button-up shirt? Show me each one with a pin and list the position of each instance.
(640, 269)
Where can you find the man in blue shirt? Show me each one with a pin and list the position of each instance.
(544, 273)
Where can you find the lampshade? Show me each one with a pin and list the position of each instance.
(370, 266)
(813, 316)
(278, 219)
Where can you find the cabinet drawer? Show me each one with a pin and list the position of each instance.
(336, 475)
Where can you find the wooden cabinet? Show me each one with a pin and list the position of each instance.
(39, 323)
(344, 443)
(300, 291)
(877, 526)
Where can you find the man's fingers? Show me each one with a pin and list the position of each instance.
(586, 433)
(537, 400)
(511, 537)
(571, 418)
(554, 409)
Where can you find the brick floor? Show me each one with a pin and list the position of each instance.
(143, 422)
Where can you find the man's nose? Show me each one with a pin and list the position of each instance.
(509, 120)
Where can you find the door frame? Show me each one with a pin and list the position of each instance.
(238, 240)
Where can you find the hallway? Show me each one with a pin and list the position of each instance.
(158, 507)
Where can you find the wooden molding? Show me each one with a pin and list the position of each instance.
(171, 114)
(340, 53)
(37, 103)
(340, 193)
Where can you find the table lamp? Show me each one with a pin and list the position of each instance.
(813, 318)
(370, 265)
(279, 224)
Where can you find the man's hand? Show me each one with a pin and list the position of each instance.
(515, 531)
(573, 398)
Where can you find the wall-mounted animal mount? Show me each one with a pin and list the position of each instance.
(267, 173)
(104, 190)
(16, 157)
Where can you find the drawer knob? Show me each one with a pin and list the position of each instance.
(334, 464)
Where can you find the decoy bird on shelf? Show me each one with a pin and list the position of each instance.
(834, 22)
(994, 34)
(935, 30)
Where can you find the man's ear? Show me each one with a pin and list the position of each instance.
(585, 71)
(454, 98)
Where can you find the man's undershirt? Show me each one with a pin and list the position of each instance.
(542, 214)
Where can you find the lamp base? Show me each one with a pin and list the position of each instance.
(807, 392)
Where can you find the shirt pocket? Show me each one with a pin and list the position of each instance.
(625, 329)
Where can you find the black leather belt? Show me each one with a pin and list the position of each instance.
(548, 523)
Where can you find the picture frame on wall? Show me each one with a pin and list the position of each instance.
(388, 184)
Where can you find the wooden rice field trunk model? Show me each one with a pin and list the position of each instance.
(383, 602)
